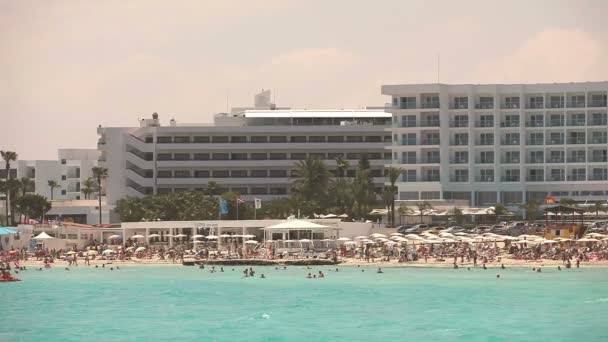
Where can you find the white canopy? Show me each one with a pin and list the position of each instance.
(43, 236)
(296, 225)
(112, 237)
(153, 235)
(137, 236)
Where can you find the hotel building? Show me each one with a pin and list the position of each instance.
(507, 143)
(252, 151)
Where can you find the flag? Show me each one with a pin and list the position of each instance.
(550, 200)
(240, 201)
(258, 203)
(223, 206)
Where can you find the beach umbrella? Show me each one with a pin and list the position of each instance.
(112, 237)
(153, 235)
(587, 240)
(137, 236)
(108, 251)
(360, 237)
(378, 235)
(344, 239)
(180, 235)
(70, 252)
(396, 234)
(248, 236)
(225, 235)
(197, 236)
(343, 216)
(211, 237)
(252, 242)
(92, 252)
(140, 249)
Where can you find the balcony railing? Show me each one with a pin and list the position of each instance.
(576, 178)
(429, 123)
(431, 160)
(556, 178)
(536, 123)
(556, 105)
(510, 142)
(510, 179)
(430, 179)
(484, 106)
(535, 141)
(407, 106)
(486, 142)
(535, 106)
(555, 142)
(509, 106)
(599, 159)
(511, 161)
(535, 179)
(459, 106)
(576, 104)
(536, 160)
(485, 161)
(485, 179)
(576, 159)
(555, 123)
(509, 124)
(459, 143)
(406, 142)
(405, 124)
(485, 123)
(459, 123)
(598, 122)
(556, 160)
(430, 105)
(576, 141)
(429, 142)
(598, 141)
(407, 160)
(597, 103)
(460, 161)
(576, 122)
(600, 177)
(460, 179)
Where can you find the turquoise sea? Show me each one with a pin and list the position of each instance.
(408, 304)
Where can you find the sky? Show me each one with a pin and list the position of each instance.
(68, 66)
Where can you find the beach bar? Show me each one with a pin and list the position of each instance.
(564, 222)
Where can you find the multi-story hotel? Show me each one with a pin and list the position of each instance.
(252, 151)
(500, 143)
(70, 169)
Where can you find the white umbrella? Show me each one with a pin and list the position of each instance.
(112, 237)
(153, 235)
(137, 236)
(197, 236)
(248, 236)
(211, 237)
(70, 252)
(396, 234)
(180, 235)
(225, 235)
(108, 251)
(343, 216)
(251, 242)
(140, 249)
(350, 243)
(361, 237)
(304, 240)
(344, 239)
(378, 235)
(588, 240)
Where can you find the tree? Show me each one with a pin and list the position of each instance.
(14, 188)
(422, 207)
(312, 185)
(597, 207)
(181, 206)
(363, 189)
(100, 173)
(341, 186)
(456, 212)
(393, 174)
(342, 166)
(4, 190)
(531, 209)
(33, 205)
(500, 210)
(279, 208)
(53, 185)
(404, 210)
(88, 187)
(8, 157)
(567, 201)
(212, 189)
(26, 185)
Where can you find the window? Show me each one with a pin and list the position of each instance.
(486, 157)
(461, 121)
(298, 139)
(512, 102)
(461, 175)
(259, 139)
(556, 138)
(431, 139)
(408, 102)
(408, 157)
(537, 157)
(512, 157)
(63, 161)
(432, 175)
(259, 191)
(181, 174)
(316, 139)
(201, 140)
(430, 195)
(181, 140)
(576, 138)
(512, 139)
(163, 140)
(335, 139)
(201, 174)
(352, 156)
(238, 173)
(63, 177)
(432, 157)
(598, 119)
(486, 175)
(220, 173)
(219, 140)
(181, 156)
(278, 156)
(598, 156)
(511, 121)
(201, 156)
(536, 102)
(238, 140)
(599, 174)
(259, 156)
(408, 195)
(409, 175)
(461, 102)
(354, 138)
(335, 155)
(408, 139)
(536, 120)
(557, 157)
(408, 121)
(461, 139)
(557, 174)
(536, 139)
(486, 121)
(556, 102)
(278, 191)
(598, 138)
(259, 173)
(221, 156)
(277, 139)
(577, 101)
(461, 157)
(486, 102)
(238, 156)
(298, 156)
(164, 174)
(486, 139)
(319, 156)
(598, 100)
(511, 175)
(373, 139)
(577, 156)
(556, 120)
(148, 139)
(278, 173)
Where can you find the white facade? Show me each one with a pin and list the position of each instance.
(500, 143)
(71, 168)
(252, 151)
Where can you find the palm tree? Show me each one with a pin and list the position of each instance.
(88, 187)
(212, 189)
(531, 208)
(343, 165)
(457, 213)
(404, 210)
(53, 185)
(26, 184)
(597, 207)
(100, 173)
(313, 179)
(393, 174)
(500, 210)
(422, 206)
(4, 190)
(8, 157)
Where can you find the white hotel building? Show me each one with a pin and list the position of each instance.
(252, 151)
(500, 143)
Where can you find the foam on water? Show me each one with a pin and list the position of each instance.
(188, 304)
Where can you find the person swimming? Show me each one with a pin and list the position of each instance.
(111, 268)
(538, 270)
(96, 266)
(67, 269)
(321, 275)
(484, 267)
(379, 270)
(502, 266)
(498, 276)
(455, 266)
(337, 270)
(309, 276)
(262, 276)
(468, 268)
(221, 269)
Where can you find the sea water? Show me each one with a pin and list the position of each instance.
(160, 303)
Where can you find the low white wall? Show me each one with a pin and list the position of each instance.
(352, 229)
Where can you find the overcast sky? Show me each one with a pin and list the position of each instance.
(68, 66)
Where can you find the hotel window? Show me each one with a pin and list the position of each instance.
(278, 173)
(536, 120)
(536, 102)
(409, 175)
(277, 139)
(238, 140)
(461, 175)
(181, 140)
(557, 174)
(163, 140)
(576, 138)
(221, 173)
(486, 102)
(557, 157)
(181, 156)
(408, 121)
(512, 139)
(486, 139)
(259, 173)
(486, 121)
(238, 156)
(298, 156)
(149, 139)
(486, 157)
(201, 174)
(556, 102)
(556, 120)
(599, 138)
(512, 102)
(408, 157)
(408, 102)
(577, 156)
(298, 139)
(352, 156)
(600, 174)
(373, 139)
(278, 156)
(577, 101)
(537, 157)
(511, 121)
(238, 173)
(201, 140)
(164, 156)
(536, 139)
(164, 174)
(259, 191)
(432, 175)
(556, 138)
(256, 139)
(430, 195)
(598, 100)
(461, 157)
(335, 155)
(319, 156)
(335, 139)
(461, 102)
(408, 139)
(354, 139)
(486, 175)
(316, 139)
(181, 174)
(375, 156)
(598, 119)
(259, 156)
(461, 121)
(432, 157)
(512, 175)
(461, 139)
(219, 140)
(201, 156)
(408, 195)
(278, 191)
(512, 157)
(221, 156)
(599, 156)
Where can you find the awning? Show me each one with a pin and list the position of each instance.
(7, 231)
(297, 225)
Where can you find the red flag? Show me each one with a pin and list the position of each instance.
(240, 200)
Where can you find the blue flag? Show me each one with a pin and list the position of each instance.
(223, 206)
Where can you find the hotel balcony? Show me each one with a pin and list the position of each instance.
(603, 140)
(576, 122)
(485, 179)
(598, 177)
(429, 123)
(459, 161)
(535, 106)
(556, 104)
(426, 142)
(535, 123)
(535, 160)
(535, 178)
(484, 106)
(459, 179)
(576, 178)
(509, 106)
(484, 123)
(555, 142)
(597, 103)
(459, 123)
(555, 123)
(576, 159)
(576, 104)
(556, 178)
(454, 105)
(598, 122)
(536, 142)
(511, 161)
(509, 124)
(509, 179)
(510, 142)
(556, 160)
(599, 159)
